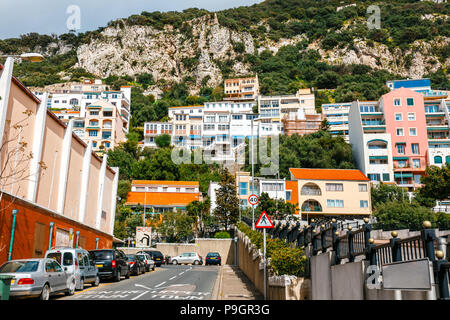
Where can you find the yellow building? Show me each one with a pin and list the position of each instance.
(341, 193)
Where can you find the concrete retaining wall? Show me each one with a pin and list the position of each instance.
(278, 288)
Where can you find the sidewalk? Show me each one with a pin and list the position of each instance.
(233, 284)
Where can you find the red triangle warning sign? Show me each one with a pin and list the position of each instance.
(264, 221)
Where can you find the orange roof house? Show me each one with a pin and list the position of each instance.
(163, 195)
(330, 192)
(328, 174)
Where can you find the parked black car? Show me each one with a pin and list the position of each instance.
(156, 256)
(136, 265)
(111, 263)
(213, 258)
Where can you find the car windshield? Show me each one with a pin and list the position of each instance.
(102, 255)
(131, 257)
(157, 254)
(19, 266)
(213, 255)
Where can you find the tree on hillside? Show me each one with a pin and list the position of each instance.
(277, 208)
(401, 214)
(386, 192)
(163, 141)
(436, 182)
(227, 210)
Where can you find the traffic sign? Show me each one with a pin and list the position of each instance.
(264, 222)
(253, 199)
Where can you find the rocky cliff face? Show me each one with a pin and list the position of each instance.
(171, 55)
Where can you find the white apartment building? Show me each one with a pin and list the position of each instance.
(239, 89)
(337, 117)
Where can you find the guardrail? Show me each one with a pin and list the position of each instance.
(348, 244)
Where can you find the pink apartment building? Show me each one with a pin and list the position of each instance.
(404, 115)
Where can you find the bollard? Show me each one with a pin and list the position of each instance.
(395, 247)
(5, 284)
(428, 237)
(351, 252)
(442, 267)
(367, 229)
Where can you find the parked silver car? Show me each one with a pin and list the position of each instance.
(187, 258)
(37, 278)
(149, 263)
(77, 262)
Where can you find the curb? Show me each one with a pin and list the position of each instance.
(216, 294)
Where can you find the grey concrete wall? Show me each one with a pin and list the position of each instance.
(347, 281)
(321, 276)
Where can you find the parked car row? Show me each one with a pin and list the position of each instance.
(64, 270)
(196, 259)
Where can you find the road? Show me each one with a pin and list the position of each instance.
(172, 282)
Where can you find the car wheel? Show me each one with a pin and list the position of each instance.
(117, 276)
(96, 282)
(45, 294)
(153, 269)
(71, 290)
(196, 262)
(127, 276)
(174, 262)
(81, 284)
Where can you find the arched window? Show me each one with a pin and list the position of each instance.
(377, 144)
(311, 189)
(311, 205)
(74, 102)
(438, 159)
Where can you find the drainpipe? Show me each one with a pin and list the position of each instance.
(14, 214)
(51, 236)
(78, 235)
(96, 243)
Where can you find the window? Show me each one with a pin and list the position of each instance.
(335, 203)
(409, 102)
(374, 176)
(400, 148)
(416, 163)
(400, 132)
(334, 187)
(397, 102)
(243, 186)
(386, 177)
(417, 178)
(398, 117)
(107, 113)
(363, 203)
(411, 116)
(415, 148)
(401, 163)
(362, 187)
(288, 195)
(93, 133)
(438, 159)
(412, 131)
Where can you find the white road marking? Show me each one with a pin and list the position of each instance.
(160, 284)
(140, 295)
(173, 278)
(140, 285)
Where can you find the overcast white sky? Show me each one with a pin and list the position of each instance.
(50, 16)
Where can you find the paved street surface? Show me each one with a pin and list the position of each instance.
(165, 283)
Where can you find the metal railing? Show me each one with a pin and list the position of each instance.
(348, 243)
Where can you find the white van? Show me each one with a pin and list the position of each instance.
(77, 263)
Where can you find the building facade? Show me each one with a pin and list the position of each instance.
(58, 192)
(160, 196)
(343, 193)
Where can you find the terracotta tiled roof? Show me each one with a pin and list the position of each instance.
(328, 174)
(166, 183)
(161, 198)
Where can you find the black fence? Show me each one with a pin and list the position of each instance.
(349, 240)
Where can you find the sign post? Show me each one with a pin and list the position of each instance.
(253, 201)
(264, 223)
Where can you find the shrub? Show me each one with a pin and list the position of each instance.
(288, 261)
(222, 235)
